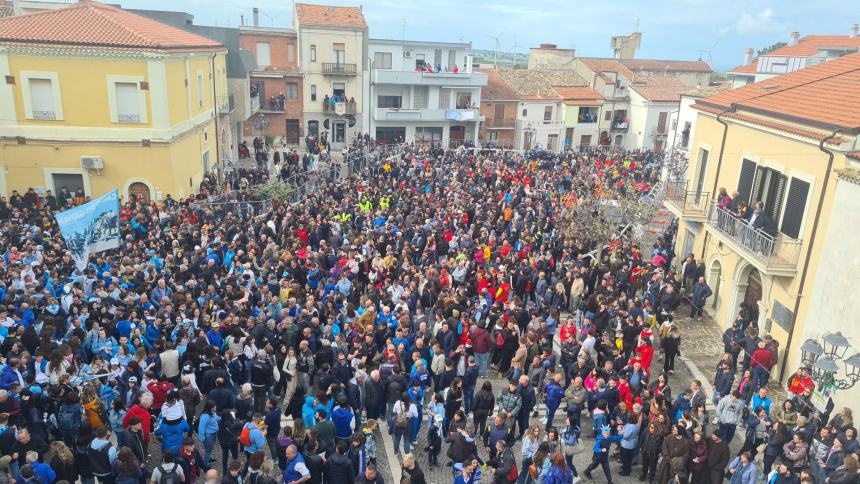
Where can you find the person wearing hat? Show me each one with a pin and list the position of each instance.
(600, 456)
(674, 451)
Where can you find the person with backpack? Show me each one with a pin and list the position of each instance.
(69, 418)
(505, 465)
(101, 455)
(404, 410)
(169, 472)
(251, 438)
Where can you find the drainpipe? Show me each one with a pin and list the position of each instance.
(729, 109)
(214, 83)
(830, 156)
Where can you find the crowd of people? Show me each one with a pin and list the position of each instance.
(385, 301)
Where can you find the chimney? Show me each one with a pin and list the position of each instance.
(256, 17)
(748, 56)
(854, 28)
(242, 20)
(793, 38)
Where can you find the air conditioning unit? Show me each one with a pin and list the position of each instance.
(92, 162)
(407, 54)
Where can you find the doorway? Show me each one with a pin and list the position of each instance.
(753, 294)
(658, 146)
(293, 132)
(618, 140)
(339, 134)
(457, 134)
(714, 280)
(139, 192)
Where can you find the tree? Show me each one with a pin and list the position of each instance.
(769, 49)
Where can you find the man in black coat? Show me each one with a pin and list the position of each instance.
(529, 400)
(339, 466)
(374, 396)
(412, 471)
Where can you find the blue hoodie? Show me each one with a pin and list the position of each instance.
(172, 435)
(308, 412)
(342, 418)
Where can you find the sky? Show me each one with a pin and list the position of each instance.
(677, 29)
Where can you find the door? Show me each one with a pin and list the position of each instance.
(293, 131)
(552, 142)
(72, 181)
(499, 112)
(585, 140)
(658, 146)
(568, 137)
(314, 128)
(139, 191)
(457, 134)
(661, 123)
(753, 294)
(339, 135)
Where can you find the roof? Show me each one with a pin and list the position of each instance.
(748, 69)
(825, 96)
(809, 45)
(708, 90)
(106, 27)
(538, 84)
(659, 88)
(496, 89)
(654, 65)
(579, 96)
(608, 65)
(327, 15)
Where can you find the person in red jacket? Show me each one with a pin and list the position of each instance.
(159, 391)
(800, 381)
(760, 363)
(481, 347)
(141, 411)
(645, 353)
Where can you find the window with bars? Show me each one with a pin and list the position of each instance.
(452, 59)
(437, 58)
(444, 99)
(421, 97)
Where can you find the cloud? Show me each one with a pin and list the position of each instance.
(759, 24)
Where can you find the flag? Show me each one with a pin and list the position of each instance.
(91, 227)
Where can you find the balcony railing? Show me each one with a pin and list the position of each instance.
(619, 126)
(44, 115)
(255, 103)
(689, 203)
(778, 252)
(500, 123)
(338, 68)
(128, 118)
(335, 108)
(225, 104)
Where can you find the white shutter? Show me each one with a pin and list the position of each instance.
(127, 102)
(264, 58)
(42, 99)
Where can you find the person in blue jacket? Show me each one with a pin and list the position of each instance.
(601, 453)
(554, 395)
(342, 416)
(308, 412)
(172, 435)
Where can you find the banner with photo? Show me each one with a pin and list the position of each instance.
(91, 227)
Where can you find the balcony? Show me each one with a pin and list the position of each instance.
(338, 108)
(435, 115)
(619, 126)
(500, 124)
(659, 132)
(687, 204)
(338, 69)
(461, 79)
(226, 104)
(772, 255)
(255, 103)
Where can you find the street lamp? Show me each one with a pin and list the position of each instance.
(822, 361)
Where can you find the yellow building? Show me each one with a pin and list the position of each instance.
(791, 143)
(97, 98)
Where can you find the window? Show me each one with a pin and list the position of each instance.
(547, 113)
(769, 188)
(437, 58)
(552, 142)
(313, 92)
(420, 97)
(499, 111)
(127, 102)
(389, 102)
(382, 60)
(313, 128)
(452, 59)
(428, 134)
(313, 53)
(264, 54)
(338, 54)
(199, 90)
(701, 171)
(795, 206)
(444, 98)
(292, 90)
(661, 122)
(42, 99)
(339, 89)
(464, 100)
(525, 112)
(291, 53)
(607, 116)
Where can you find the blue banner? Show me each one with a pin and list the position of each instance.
(91, 227)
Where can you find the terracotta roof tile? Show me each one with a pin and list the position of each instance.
(747, 69)
(826, 95)
(709, 90)
(659, 88)
(579, 96)
(773, 124)
(539, 83)
(94, 24)
(608, 65)
(326, 15)
(808, 46)
(496, 89)
(6, 11)
(657, 65)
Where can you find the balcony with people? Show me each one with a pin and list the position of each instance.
(587, 115)
(255, 98)
(620, 121)
(753, 233)
(339, 104)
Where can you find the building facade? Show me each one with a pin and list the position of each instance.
(423, 91)
(773, 142)
(127, 103)
(333, 58)
(499, 111)
(276, 86)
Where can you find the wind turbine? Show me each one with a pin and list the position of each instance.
(515, 50)
(496, 54)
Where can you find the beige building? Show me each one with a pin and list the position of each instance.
(332, 43)
(795, 263)
(549, 56)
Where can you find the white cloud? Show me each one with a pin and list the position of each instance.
(759, 24)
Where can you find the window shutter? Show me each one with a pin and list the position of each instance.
(795, 205)
(127, 102)
(778, 195)
(745, 181)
